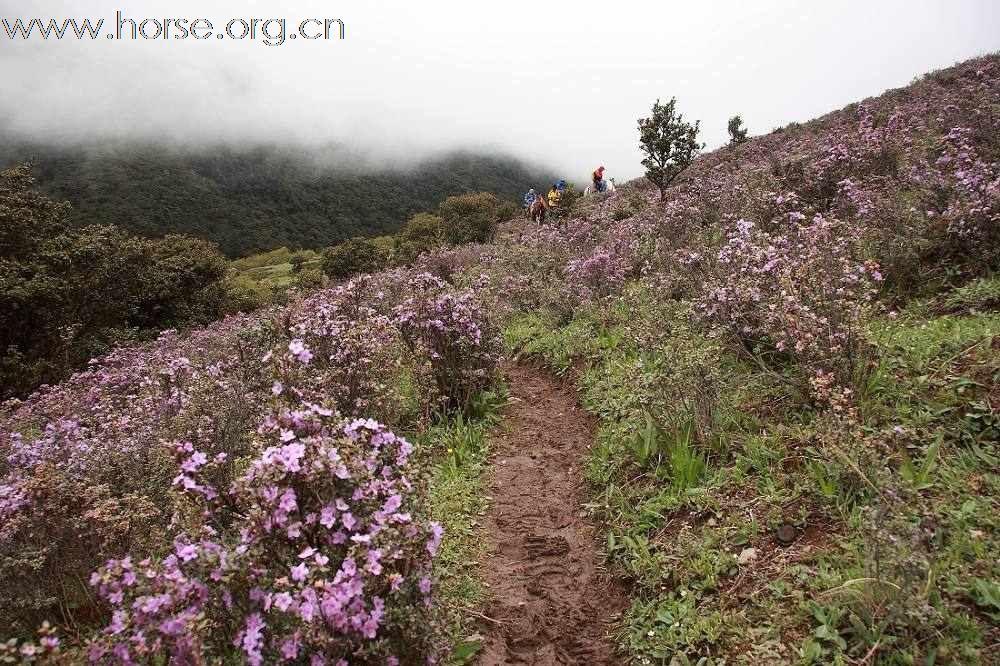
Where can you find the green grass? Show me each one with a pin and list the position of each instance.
(895, 515)
(458, 500)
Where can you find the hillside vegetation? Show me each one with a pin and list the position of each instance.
(248, 201)
(793, 358)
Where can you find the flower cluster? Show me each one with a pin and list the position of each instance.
(799, 291)
(143, 459)
(452, 331)
(315, 553)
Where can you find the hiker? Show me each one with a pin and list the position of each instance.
(529, 198)
(561, 186)
(599, 184)
(555, 196)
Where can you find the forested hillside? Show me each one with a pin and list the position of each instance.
(260, 199)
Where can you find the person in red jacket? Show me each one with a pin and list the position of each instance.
(599, 184)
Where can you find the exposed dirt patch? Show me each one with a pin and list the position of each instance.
(552, 603)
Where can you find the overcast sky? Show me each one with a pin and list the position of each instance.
(560, 83)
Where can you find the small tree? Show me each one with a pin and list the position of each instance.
(737, 132)
(353, 256)
(469, 218)
(669, 144)
(421, 233)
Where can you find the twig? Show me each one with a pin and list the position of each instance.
(858, 580)
(871, 653)
(481, 616)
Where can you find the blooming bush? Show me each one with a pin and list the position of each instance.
(461, 345)
(92, 474)
(315, 553)
(963, 191)
(800, 292)
(343, 347)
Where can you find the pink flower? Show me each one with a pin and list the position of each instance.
(435, 541)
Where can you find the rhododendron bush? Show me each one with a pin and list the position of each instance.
(449, 329)
(315, 552)
(228, 491)
(801, 290)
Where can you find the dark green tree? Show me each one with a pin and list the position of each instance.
(668, 143)
(469, 218)
(421, 233)
(737, 132)
(353, 256)
(69, 293)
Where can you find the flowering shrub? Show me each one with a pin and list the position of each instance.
(92, 475)
(596, 275)
(452, 331)
(38, 650)
(83, 477)
(314, 553)
(801, 292)
(345, 349)
(963, 191)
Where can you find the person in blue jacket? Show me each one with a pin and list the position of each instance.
(529, 198)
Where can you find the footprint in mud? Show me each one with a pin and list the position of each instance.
(543, 574)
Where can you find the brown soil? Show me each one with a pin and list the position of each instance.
(551, 603)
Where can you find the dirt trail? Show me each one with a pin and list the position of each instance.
(551, 601)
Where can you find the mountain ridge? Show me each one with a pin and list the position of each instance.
(258, 199)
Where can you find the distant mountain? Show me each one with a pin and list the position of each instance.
(259, 199)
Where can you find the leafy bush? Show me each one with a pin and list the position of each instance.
(470, 218)
(310, 278)
(421, 233)
(354, 256)
(982, 294)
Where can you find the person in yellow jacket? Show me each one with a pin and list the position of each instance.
(554, 196)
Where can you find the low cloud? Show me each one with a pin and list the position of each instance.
(561, 85)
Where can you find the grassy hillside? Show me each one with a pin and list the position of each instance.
(792, 358)
(257, 200)
(794, 361)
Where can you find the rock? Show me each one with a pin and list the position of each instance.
(747, 555)
(786, 534)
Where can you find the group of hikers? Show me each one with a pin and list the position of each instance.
(535, 204)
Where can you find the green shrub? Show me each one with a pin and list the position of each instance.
(421, 233)
(310, 278)
(353, 256)
(621, 212)
(982, 294)
(67, 294)
(737, 132)
(470, 218)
